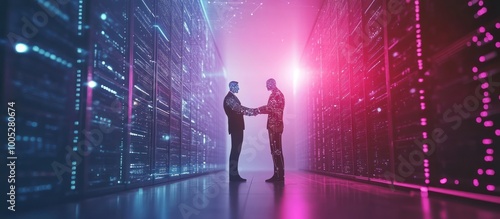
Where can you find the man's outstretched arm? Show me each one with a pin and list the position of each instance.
(238, 108)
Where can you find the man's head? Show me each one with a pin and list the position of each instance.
(271, 84)
(233, 87)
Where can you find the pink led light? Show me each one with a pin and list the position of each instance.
(497, 132)
(490, 172)
(487, 141)
(424, 189)
(497, 44)
(478, 43)
(420, 80)
(425, 150)
(484, 114)
(497, 25)
(482, 59)
(482, 11)
(485, 106)
(418, 25)
(490, 188)
(421, 97)
(475, 78)
(480, 171)
(426, 170)
(475, 182)
(457, 182)
(483, 75)
(443, 180)
(474, 39)
(486, 99)
(489, 36)
(489, 151)
(478, 120)
(426, 165)
(474, 69)
(482, 29)
(486, 94)
(427, 175)
(488, 158)
(481, 3)
(485, 85)
(424, 135)
(426, 161)
(421, 91)
(488, 123)
(427, 181)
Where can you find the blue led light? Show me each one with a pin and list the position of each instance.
(92, 84)
(103, 16)
(21, 48)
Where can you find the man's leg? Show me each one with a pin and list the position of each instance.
(236, 142)
(277, 155)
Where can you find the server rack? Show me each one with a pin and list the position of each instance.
(42, 76)
(464, 71)
(107, 90)
(404, 94)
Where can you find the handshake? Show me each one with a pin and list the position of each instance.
(251, 112)
(255, 111)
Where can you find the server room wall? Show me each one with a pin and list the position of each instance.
(407, 95)
(110, 95)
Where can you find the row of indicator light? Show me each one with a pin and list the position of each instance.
(487, 37)
(487, 142)
(423, 120)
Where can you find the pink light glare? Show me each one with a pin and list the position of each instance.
(443, 180)
(488, 158)
(488, 123)
(482, 11)
(490, 188)
(475, 182)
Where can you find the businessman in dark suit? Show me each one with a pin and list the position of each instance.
(274, 109)
(235, 111)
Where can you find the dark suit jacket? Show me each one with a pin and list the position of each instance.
(234, 111)
(275, 106)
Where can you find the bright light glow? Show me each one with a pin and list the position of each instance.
(21, 48)
(297, 77)
(443, 180)
(92, 84)
(103, 16)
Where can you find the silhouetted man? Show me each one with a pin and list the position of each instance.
(235, 111)
(274, 109)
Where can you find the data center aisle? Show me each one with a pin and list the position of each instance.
(303, 195)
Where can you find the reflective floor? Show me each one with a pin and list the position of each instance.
(303, 196)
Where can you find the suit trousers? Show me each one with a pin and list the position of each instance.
(277, 153)
(234, 156)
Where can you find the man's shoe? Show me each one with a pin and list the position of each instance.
(271, 179)
(237, 179)
(276, 179)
